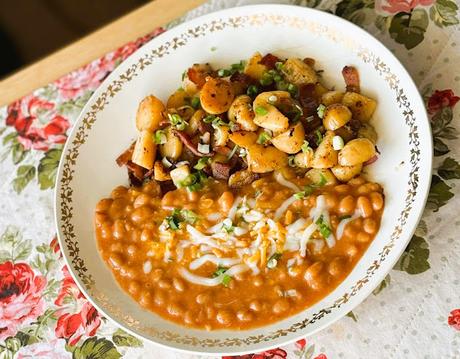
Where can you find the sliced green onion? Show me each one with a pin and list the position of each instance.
(320, 110)
(263, 138)
(272, 99)
(223, 73)
(166, 162)
(159, 137)
(195, 102)
(279, 65)
(184, 74)
(226, 280)
(306, 147)
(203, 148)
(177, 121)
(324, 228)
(319, 137)
(227, 226)
(308, 190)
(344, 217)
(220, 271)
(252, 90)
(267, 79)
(189, 216)
(282, 85)
(239, 66)
(261, 111)
(233, 151)
(322, 181)
(209, 119)
(273, 260)
(337, 143)
(202, 163)
(291, 161)
(292, 89)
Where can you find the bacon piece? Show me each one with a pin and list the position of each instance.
(307, 99)
(269, 60)
(351, 77)
(123, 159)
(189, 144)
(198, 73)
(221, 170)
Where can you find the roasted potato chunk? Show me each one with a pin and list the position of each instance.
(173, 147)
(331, 97)
(361, 107)
(242, 113)
(267, 115)
(178, 99)
(304, 159)
(263, 159)
(195, 77)
(254, 68)
(298, 72)
(291, 140)
(356, 151)
(216, 96)
(346, 173)
(243, 138)
(160, 173)
(325, 156)
(368, 131)
(145, 150)
(150, 113)
(336, 116)
(318, 175)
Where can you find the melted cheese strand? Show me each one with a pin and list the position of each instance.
(284, 182)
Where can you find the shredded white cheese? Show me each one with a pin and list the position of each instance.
(284, 182)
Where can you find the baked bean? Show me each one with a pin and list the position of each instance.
(257, 281)
(363, 237)
(192, 196)
(101, 219)
(377, 201)
(141, 200)
(364, 206)
(364, 189)
(164, 284)
(342, 188)
(135, 235)
(178, 284)
(278, 290)
(159, 298)
(210, 312)
(103, 205)
(331, 200)
(370, 226)
(152, 188)
(206, 203)
(118, 192)
(134, 288)
(117, 261)
(119, 229)
(281, 274)
(157, 274)
(351, 250)
(202, 298)
(145, 299)
(356, 181)
(256, 305)
(350, 231)
(129, 209)
(189, 317)
(315, 275)
(244, 315)
(280, 306)
(347, 205)
(175, 309)
(117, 247)
(224, 316)
(337, 266)
(132, 250)
(146, 235)
(142, 214)
(288, 217)
(117, 208)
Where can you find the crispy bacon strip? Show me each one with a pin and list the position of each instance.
(189, 144)
(125, 156)
(351, 77)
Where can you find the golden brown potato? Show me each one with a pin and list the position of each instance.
(160, 173)
(356, 151)
(242, 113)
(216, 96)
(267, 115)
(298, 72)
(263, 159)
(144, 150)
(361, 107)
(150, 113)
(193, 123)
(318, 175)
(304, 159)
(332, 97)
(291, 140)
(336, 116)
(172, 149)
(243, 139)
(254, 68)
(325, 156)
(221, 134)
(320, 90)
(368, 131)
(178, 99)
(346, 173)
(179, 174)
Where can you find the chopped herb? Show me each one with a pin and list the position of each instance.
(233, 151)
(279, 65)
(184, 74)
(159, 137)
(308, 190)
(180, 215)
(194, 181)
(209, 118)
(195, 102)
(261, 111)
(292, 89)
(215, 121)
(322, 180)
(202, 163)
(226, 280)
(291, 161)
(177, 121)
(189, 216)
(324, 228)
(243, 152)
(282, 85)
(320, 110)
(319, 137)
(267, 79)
(263, 138)
(277, 78)
(273, 260)
(306, 147)
(224, 73)
(344, 217)
(227, 226)
(239, 67)
(213, 48)
(252, 90)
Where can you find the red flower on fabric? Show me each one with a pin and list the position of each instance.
(54, 245)
(321, 356)
(20, 297)
(301, 343)
(23, 116)
(440, 99)
(268, 354)
(74, 326)
(454, 319)
(89, 77)
(396, 6)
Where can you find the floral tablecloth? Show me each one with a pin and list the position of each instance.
(414, 313)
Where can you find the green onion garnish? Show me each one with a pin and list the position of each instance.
(306, 147)
(263, 138)
(220, 271)
(261, 111)
(344, 217)
(159, 137)
(202, 163)
(177, 121)
(319, 137)
(324, 228)
(292, 89)
(320, 110)
(226, 280)
(291, 161)
(252, 90)
(223, 73)
(273, 260)
(195, 102)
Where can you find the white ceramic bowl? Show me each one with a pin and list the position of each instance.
(106, 127)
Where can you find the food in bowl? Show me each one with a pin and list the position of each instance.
(247, 201)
